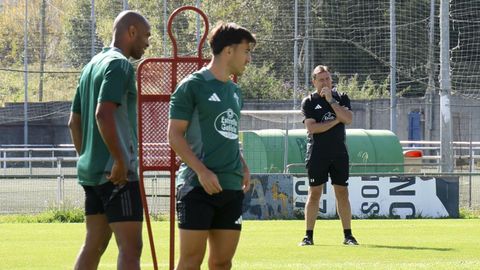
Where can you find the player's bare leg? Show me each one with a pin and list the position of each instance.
(222, 246)
(311, 211)
(312, 205)
(129, 241)
(96, 241)
(193, 245)
(345, 213)
(343, 206)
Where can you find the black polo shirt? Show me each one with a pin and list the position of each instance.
(327, 144)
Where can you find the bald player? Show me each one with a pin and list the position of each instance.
(104, 131)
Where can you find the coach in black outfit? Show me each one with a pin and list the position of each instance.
(326, 114)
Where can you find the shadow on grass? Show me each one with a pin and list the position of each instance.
(409, 248)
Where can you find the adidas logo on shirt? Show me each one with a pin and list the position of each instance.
(318, 107)
(214, 97)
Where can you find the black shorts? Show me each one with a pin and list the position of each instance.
(117, 203)
(319, 170)
(198, 210)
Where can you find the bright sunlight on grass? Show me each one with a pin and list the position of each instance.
(384, 244)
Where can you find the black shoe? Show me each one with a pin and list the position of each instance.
(350, 241)
(306, 242)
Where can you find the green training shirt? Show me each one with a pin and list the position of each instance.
(109, 76)
(212, 108)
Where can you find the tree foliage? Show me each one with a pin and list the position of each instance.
(262, 83)
(78, 29)
(12, 32)
(367, 89)
(343, 33)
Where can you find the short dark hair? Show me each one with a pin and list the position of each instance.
(226, 34)
(319, 69)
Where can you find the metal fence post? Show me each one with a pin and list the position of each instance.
(472, 162)
(60, 183)
(285, 144)
(30, 162)
(154, 196)
(53, 155)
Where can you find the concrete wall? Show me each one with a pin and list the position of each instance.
(373, 114)
(50, 128)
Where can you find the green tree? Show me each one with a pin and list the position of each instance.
(269, 20)
(78, 34)
(107, 10)
(368, 89)
(12, 32)
(262, 83)
(11, 37)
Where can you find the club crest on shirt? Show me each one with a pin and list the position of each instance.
(328, 117)
(226, 124)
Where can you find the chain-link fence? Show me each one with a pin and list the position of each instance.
(44, 45)
(36, 179)
(275, 142)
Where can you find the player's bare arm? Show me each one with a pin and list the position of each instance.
(314, 127)
(75, 125)
(176, 139)
(326, 92)
(106, 126)
(246, 175)
(344, 115)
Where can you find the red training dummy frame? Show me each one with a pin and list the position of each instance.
(157, 78)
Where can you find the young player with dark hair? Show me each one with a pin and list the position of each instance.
(203, 131)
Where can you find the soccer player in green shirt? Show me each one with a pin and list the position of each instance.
(104, 131)
(203, 131)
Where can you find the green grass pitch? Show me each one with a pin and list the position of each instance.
(385, 244)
